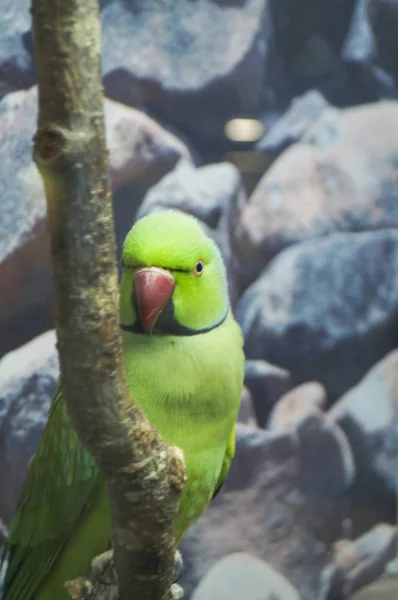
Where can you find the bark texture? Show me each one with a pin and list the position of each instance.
(144, 475)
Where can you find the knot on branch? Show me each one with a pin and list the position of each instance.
(52, 143)
(49, 143)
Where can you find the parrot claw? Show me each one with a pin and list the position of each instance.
(178, 565)
(177, 593)
(101, 567)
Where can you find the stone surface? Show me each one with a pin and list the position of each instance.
(374, 550)
(3, 533)
(368, 414)
(196, 65)
(342, 177)
(241, 575)
(141, 152)
(16, 51)
(305, 399)
(384, 588)
(292, 125)
(28, 380)
(204, 193)
(25, 286)
(283, 501)
(266, 383)
(325, 309)
(246, 411)
(370, 47)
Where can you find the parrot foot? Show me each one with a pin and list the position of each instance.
(177, 593)
(178, 565)
(102, 581)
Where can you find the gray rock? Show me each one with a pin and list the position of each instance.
(325, 309)
(25, 285)
(28, 380)
(194, 65)
(241, 575)
(374, 550)
(384, 588)
(140, 148)
(246, 411)
(319, 65)
(204, 193)
(141, 152)
(16, 60)
(267, 383)
(3, 534)
(368, 414)
(293, 124)
(340, 178)
(370, 47)
(283, 501)
(308, 398)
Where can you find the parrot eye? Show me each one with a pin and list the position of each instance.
(198, 270)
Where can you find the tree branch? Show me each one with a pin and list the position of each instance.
(144, 475)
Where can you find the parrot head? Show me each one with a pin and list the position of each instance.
(174, 280)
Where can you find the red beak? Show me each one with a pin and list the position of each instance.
(153, 288)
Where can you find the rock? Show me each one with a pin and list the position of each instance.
(213, 194)
(374, 550)
(246, 412)
(204, 193)
(139, 147)
(2, 574)
(241, 575)
(25, 282)
(3, 534)
(368, 414)
(25, 285)
(370, 47)
(141, 153)
(28, 380)
(319, 66)
(266, 383)
(325, 309)
(283, 501)
(342, 177)
(16, 51)
(307, 398)
(384, 588)
(292, 125)
(216, 60)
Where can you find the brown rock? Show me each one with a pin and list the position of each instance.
(342, 177)
(305, 399)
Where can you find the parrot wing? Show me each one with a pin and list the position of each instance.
(60, 486)
(229, 454)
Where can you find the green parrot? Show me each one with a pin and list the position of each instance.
(184, 362)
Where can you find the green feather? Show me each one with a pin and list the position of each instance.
(190, 388)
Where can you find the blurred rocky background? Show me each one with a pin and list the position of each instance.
(275, 122)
